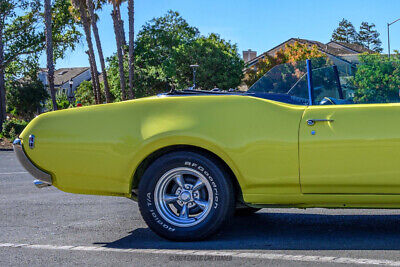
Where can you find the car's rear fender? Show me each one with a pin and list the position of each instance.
(161, 146)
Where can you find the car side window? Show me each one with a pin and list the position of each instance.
(374, 79)
(327, 86)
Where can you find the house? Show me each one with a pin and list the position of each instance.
(343, 55)
(66, 78)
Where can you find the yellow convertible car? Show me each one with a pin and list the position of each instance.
(191, 158)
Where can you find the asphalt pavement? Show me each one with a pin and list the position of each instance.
(47, 227)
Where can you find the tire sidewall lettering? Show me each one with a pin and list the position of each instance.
(217, 182)
(154, 214)
(207, 174)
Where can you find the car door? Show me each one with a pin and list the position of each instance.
(350, 149)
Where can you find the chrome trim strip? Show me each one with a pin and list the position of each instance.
(40, 184)
(28, 165)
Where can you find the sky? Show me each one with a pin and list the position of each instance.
(253, 24)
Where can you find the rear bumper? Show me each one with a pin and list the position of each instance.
(28, 165)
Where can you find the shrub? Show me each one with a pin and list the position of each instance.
(12, 128)
(62, 102)
(25, 99)
(377, 79)
(84, 93)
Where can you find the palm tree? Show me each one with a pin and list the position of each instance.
(115, 14)
(131, 15)
(80, 5)
(49, 52)
(90, 7)
(2, 82)
(121, 26)
(120, 21)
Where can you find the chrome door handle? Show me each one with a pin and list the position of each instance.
(312, 121)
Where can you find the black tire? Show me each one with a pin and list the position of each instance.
(221, 200)
(247, 211)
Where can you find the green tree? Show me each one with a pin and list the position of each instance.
(22, 35)
(158, 45)
(164, 50)
(84, 94)
(219, 63)
(12, 128)
(61, 100)
(369, 37)
(377, 79)
(26, 98)
(345, 32)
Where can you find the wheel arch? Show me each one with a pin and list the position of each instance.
(173, 148)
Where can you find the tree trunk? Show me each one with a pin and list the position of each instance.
(89, 4)
(121, 28)
(49, 52)
(94, 88)
(131, 15)
(2, 83)
(92, 75)
(119, 53)
(92, 59)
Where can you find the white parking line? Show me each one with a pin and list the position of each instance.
(192, 254)
(11, 173)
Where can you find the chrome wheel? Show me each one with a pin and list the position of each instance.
(183, 197)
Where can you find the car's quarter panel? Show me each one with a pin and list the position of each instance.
(357, 153)
(96, 150)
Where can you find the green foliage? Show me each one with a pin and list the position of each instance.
(24, 95)
(377, 79)
(369, 37)
(218, 60)
(24, 34)
(84, 93)
(345, 32)
(64, 29)
(24, 68)
(62, 102)
(25, 98)
(157, 48)
(114, 79)
(165, 49)
(12, 128)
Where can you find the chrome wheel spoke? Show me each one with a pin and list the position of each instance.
(202, 204)
(184, 212)
(180, 181)
(183, 197)
(199, 184)
(170, 198)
